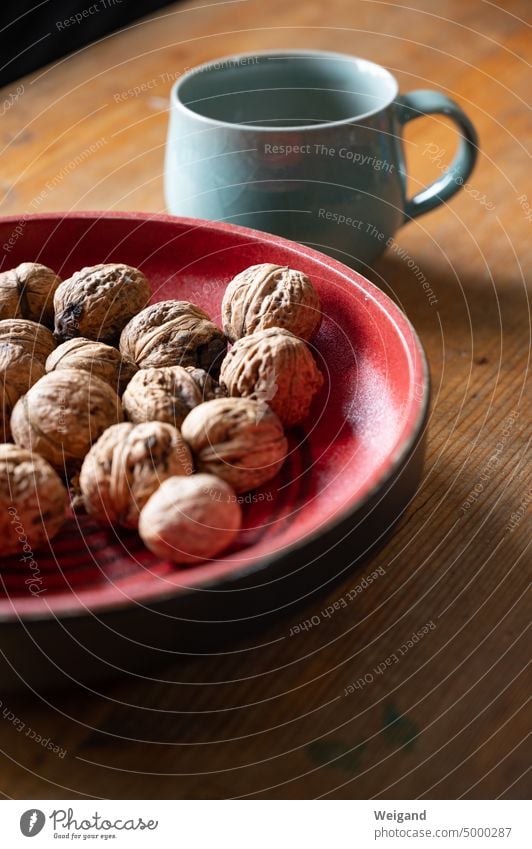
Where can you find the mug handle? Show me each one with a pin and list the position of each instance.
(421, 102)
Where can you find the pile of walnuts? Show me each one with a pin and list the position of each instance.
(140, 408)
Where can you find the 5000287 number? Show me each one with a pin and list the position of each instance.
(485, 831)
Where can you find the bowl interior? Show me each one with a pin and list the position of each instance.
(361, 422)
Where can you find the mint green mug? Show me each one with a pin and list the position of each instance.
(305, 144)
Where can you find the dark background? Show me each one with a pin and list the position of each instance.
(32, 34)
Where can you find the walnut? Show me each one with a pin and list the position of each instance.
(36, 339)
(167, 394)
(33, 503)
(27, 291)
(270, 295)
(10, 303)
(98, 301)
(98, 359)
(189, 520)
(18, 371)
(209, 387)
(173, 333)
(126, 465)
(238, 439)
(76, 498)
(276, 367)
(63, 414)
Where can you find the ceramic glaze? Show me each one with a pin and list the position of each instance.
(304, 144)
(350, 472)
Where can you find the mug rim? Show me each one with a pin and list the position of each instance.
(176, 102)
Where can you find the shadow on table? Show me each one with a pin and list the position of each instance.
(34, 34)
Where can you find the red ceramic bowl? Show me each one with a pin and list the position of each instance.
(106, 604)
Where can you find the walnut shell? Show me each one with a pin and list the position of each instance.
(63, 414)
(189, 520)
(33, 503)
(276, 367)
(10, 302)
(98, 301)
(27, 291)
(237, 439)
(208, 386)
(173, 333)
(98, 359)
(36, 339)
(18, 371)
(126, 465)
(167, 394)
(270, 295)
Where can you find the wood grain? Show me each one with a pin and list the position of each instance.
(270, 718)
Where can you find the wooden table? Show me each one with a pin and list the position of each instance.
(270, 718)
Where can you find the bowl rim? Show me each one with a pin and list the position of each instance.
(13, 611)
